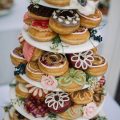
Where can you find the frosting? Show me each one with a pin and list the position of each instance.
(35, 91)
(22, 88)
(56, 99)
(88, 8)
(52, 60)
(17, 53)
(49, 82)
(40, 23)
(66, 17)
(28, 51)
(33, 68)
(81, 31)
(99, 61)
(82, 60)
(89, 110)
(77, 76)
(94, 17)
(40, 10)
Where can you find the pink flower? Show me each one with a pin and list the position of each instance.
(49, 82)
(89, 110)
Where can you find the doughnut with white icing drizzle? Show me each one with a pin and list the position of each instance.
(68, 20)
(78, 37)
(53, 64)
(99, 66)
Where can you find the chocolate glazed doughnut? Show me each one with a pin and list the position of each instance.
(53, 64)
(38, 12)
(64, 21)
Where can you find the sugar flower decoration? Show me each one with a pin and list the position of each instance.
(83, 60)
(89, 110)
(49, 82)
(35, 91)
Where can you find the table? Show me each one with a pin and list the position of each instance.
(111, 108)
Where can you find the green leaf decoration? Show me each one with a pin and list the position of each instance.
(52, 116)
(101, 118)
(34, 1)
(7, 108)
(18, 101)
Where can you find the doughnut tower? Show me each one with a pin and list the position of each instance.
(59, 74)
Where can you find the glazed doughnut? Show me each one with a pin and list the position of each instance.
(82, 97)
(27, 19)
(33, 71)
(72, 113)
(78, 37)
(72, 81)
(39, 12)
(20, 80)
(58, 102)
(35, 107)
(21, 91)
(91, 21)
(17, 56)
(64, 21)
(53, 64)
(87, 7)
(99, 66)
(37, 92)
(40, 31)
(82, 60)
(31, 53)
(60, 3)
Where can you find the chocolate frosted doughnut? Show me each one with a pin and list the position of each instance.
(40, 10)
(66, 17)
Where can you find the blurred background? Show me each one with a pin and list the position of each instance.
(11, 23)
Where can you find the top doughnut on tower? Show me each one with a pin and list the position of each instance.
(58, 70)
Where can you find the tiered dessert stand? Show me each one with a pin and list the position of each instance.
(62, 48)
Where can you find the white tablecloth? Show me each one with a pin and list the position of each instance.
(111, 108)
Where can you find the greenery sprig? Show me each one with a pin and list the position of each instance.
(34, 1)
(7, 107)
(93, 35)
(20, 69)
(12, 84)
(18, 101)
(56, 43)
(101, 118)
(52, 116)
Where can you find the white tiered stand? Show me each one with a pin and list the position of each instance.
(91, 43)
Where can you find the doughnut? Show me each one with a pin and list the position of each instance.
(87, 7)
(35, 107)
(21, 91)
(82, 97)
(91, 21)
(78, 37)
(39, 12)
(40, 31)
(72, 81)
(98, 95)
(27, 19)
(53, 64)
(20, 80)
(64, 21)
(17, 56)
(59, 3)
(99, 66)
(82, 60)
(37, 92)
(72, 113)
(31, 53)
(33, 72)
(57, 102)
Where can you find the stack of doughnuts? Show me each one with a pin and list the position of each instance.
(68, 86)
